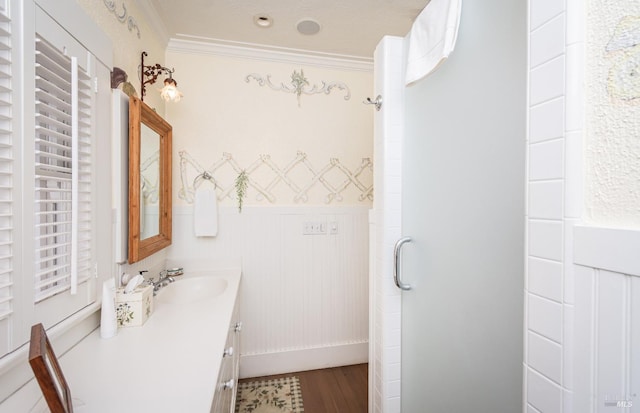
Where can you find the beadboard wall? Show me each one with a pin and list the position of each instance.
(304, 298)
(607, 320)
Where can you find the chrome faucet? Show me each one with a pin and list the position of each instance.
(163, 281)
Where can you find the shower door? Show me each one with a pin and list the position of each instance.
(463, 208)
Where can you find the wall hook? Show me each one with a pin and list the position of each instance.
(377, 102)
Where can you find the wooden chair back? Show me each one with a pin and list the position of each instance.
(44, 364)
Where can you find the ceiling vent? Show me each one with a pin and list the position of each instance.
(308, 26)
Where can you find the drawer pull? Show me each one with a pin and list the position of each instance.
(228, 385)
(228, 352)
(238, 327)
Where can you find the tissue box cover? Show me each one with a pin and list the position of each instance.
(135, 308)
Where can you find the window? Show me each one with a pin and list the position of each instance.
(49, 182)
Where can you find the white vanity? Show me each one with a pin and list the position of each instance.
(175, 362)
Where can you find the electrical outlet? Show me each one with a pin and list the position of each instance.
(314, 228)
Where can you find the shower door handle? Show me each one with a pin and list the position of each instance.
(396, 264)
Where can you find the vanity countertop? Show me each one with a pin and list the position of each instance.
(170, 364)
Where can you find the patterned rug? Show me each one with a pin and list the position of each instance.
(270, 396)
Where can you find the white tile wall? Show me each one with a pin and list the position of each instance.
(545, 356)
(543, 394)
(547, 121)
(574, 197)
(545, 318)
(541, 11)
(545, 239)
(576, 21)
(556, 118)
(545, 278)
(547, 41)
(389, 77)
(545, 200)
(546, 160)
(547, 81)
(575, 86)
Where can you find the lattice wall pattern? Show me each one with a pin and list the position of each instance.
(264, 175)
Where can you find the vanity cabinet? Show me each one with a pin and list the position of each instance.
(224, 399)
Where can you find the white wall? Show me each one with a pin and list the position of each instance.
(145, 34)
(304, 298)
(223, 113)
(581, 288)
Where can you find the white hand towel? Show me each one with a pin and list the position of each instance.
(205, 211)
(432, 38)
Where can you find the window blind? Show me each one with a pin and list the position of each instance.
(62, 172)
(6, 175)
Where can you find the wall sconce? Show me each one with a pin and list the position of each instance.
(149, 75)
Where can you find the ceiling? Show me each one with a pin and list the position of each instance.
(347, 27)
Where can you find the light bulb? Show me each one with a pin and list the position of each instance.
(170, 92)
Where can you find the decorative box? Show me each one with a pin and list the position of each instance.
(135, 308)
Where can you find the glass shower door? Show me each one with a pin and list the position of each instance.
(463, 208)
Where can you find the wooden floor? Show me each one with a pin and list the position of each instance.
(334, 390)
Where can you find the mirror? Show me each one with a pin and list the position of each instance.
(149, 181)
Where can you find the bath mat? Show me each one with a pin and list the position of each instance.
(270, 396)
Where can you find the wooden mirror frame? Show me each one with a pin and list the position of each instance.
(47, 371)
(140, 113)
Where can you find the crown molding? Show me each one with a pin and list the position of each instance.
(200, 45)
(153, 19)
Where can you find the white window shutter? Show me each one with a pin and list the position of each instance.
(7, 223)
(84, 255)
(62, 172)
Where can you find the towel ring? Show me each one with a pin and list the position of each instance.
(206, 176)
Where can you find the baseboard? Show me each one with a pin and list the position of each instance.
(257, 365)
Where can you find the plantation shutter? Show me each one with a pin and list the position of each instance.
(62, 172)
(6, 186)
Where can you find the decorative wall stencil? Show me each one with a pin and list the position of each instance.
(299, 85)
(122, 17)
(624, 46)
(277, 175)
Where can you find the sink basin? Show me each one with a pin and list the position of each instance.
(190, 290)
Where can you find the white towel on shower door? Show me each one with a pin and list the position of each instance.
(205, 211)
(432, 38)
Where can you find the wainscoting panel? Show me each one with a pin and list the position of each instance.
(304, 298)
(607, 325)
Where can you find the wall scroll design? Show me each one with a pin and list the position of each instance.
(624, 75)
(278, 175)
(300, 85)
(122, 17)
